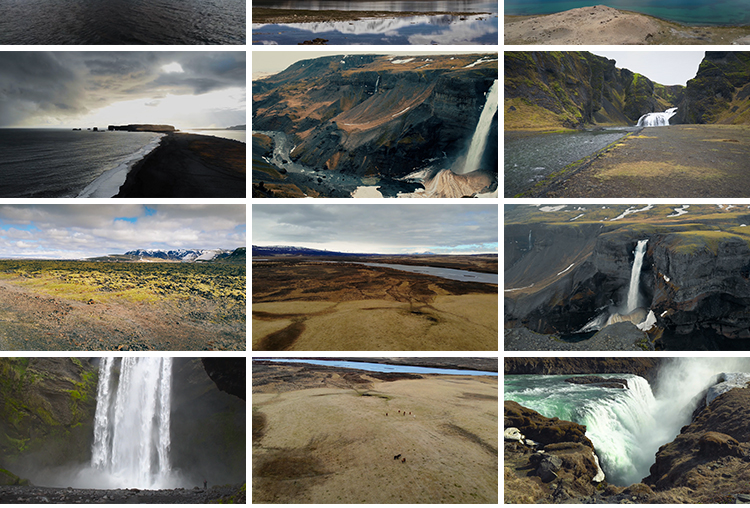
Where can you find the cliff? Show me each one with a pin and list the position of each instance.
(371, 115)
(576, 89)
(142, 128)
(561, 274)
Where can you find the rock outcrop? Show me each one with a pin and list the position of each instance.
(644, 367)
(142, 127)
(370, 115)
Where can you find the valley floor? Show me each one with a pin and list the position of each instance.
(604, 25)
(691, 161)
(312, 306)
(324, 435)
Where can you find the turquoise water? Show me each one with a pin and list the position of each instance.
(688, 12)
(383, 367)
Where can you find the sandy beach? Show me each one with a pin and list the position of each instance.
(189, 166)
(325, 435)
(604, 25)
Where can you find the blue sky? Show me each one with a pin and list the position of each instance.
(88, 230)
(389, 228)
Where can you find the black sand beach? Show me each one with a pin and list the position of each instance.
(189, 166)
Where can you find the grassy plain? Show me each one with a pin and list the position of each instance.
(308, 305)
(78, 305)
(321, 435)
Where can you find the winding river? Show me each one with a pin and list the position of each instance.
(382, 367)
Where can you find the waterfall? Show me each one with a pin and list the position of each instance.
(529, 240)
(635, 276)
(656, 119)
(132, 425)
(479, 139)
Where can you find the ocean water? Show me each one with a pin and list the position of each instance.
(54, 163)
(690, 12)
(418, 29)
(123, 22)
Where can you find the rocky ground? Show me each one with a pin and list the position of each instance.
(616, 337)
(604, 25)
(45, 495)
(695, 161)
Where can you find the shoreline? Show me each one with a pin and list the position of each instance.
(600, 24)
(188, 166)
(269, 16)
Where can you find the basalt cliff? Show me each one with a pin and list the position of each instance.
(379, 116)
(567, 267)
(547, 89)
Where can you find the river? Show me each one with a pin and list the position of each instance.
(382, 367)
(445, 273)
(531, 157)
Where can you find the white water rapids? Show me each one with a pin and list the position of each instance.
(132, 423)
(628, 426)
(656, 119)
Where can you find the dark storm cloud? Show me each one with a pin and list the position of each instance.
(378, 228)
(60, 85)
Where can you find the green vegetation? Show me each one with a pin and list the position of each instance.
(135, 282)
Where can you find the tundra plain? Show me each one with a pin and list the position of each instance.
(304, 304)
(329, 435)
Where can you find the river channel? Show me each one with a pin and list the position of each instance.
(531, 157)
(382, 367)
(445, 273)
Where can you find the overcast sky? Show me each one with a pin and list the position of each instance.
(85, 89)
(663, 67)
(78, 231)
(386, 229)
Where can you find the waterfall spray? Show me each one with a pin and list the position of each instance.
(656, 119)
(479, 139)
(131, 426)
(635, 276)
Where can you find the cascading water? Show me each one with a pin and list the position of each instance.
(479, 139)
(656, 119)
(132, 422)
(627, 426)
(635, 276)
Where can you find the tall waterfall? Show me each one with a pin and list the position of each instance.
(656, 119)
(479, 139)
(132, 422)
(635, 276)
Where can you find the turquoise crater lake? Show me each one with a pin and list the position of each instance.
(688, 12)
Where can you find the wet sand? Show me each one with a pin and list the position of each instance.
(703, 161)
(604, 25)
(189, 166)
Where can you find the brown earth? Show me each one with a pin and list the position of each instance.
(34, 321)
(689, 161)
(310, 305)
(600, 24)
(331, 435)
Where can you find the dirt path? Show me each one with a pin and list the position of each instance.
(31, 321)
(685, 161)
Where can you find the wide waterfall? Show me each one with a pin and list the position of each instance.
(627, 426)
(635, 277)
(481, 133)
(132, 422)
(656, 119)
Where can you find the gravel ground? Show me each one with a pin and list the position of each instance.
(44, 495)
(616, 337)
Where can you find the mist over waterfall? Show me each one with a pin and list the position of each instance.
(656, 119)
(627, 426)
(132, 423)
(635, 276)
(479, 139)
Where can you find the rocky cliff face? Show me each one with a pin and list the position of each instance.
(378, 115)
(695, 277)
(46, 411)
(719, 91)
(578, 88)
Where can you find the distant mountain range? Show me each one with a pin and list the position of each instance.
(286, 250)
(236, 256)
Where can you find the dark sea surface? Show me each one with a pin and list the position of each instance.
(56, 163)
(418, 29)
(688, 12)
(122, 22)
